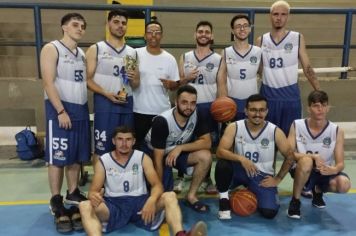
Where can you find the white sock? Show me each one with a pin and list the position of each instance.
(224, 195)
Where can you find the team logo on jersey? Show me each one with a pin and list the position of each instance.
(107, 55)
(288, 47)
(241, 140)
(59, 155)
(112, 172)
(326, 142)
(189, 65)
(230, 61)
(264, 143)
(301, 139)
(253, 60)
(209, 67)
(135, 169)
(190, 128)
(265, 48)
(68, 60)
(100, 146)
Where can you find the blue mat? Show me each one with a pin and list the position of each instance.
(338, 218)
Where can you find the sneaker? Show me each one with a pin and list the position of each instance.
(318, 200)
(178, 185)
(75, 197)
(75, 218)
(55, 203)
(62, 220)
(198, 229)
(224, 209)
(294, 209)
(307, 193)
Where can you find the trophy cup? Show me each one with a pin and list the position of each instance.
(130, 64)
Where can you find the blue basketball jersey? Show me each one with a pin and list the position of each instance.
(110, 74)
(70, 83)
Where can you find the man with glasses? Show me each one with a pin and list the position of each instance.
(319, 150)
(281, 50)
(158, 72)
(246, 153)
(238, 74)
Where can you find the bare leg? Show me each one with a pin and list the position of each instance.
(169, 202)
(55, 177)
(92, 218)
(201, 160)
(302, 173)
(72, 175)
(339, 184)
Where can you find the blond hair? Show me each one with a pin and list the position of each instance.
(280, 3)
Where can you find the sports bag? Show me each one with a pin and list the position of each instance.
(27, 147)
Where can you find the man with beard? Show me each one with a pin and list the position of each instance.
(246, 153)
(238, 75)
(281, 50)
(180, 138)
(108, 76)
(199, 68)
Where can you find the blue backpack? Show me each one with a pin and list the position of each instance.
(27, 147)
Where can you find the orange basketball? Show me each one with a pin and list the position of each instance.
(223, 109)
(243, 202)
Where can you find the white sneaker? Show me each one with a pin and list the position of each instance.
(224, 215)
(178, 185)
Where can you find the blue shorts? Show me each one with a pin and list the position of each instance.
(283, 113)
(104, 125)
(267, 198)
(66, 147)
(322, 181)
(204, 109)
(124, 210)
(181, 166)
(240, 103)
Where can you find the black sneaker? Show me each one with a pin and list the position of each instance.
(75, 197)
(318, 200)
(224, 209)
(62, 220)
(56, 203)
(75, 218)
(294, 208)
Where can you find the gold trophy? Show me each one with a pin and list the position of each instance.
(130, 64)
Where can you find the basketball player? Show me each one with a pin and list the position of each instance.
(67, 117)
(158, 71)
(199, 68)
(319, 149)
(281, 49)
(180, 138)
(124, 173)
(238, 75)
(246, 153)
(107, 78)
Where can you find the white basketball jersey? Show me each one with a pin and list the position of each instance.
(208, 67)
(322, 144)
(127, 180)
(111, 66)
(280, 62)
(70, 83)
(242, 71)
(261, 149)
(176, 134)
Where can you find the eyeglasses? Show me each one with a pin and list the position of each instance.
(240, 27)
(154, 32)
(255, 110)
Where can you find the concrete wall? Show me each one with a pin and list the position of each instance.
(21, 95)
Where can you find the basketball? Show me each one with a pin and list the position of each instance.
(223, 109)
(243, 202)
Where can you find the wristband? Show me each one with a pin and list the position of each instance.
(61, 112)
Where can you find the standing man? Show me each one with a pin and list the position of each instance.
(319, 150)
(158, 73)
(124, 172)
(199, 68)
(67, 117)
(180, 138)
(110, 79)
(281, 50)
(238, 75)
(247, 153)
